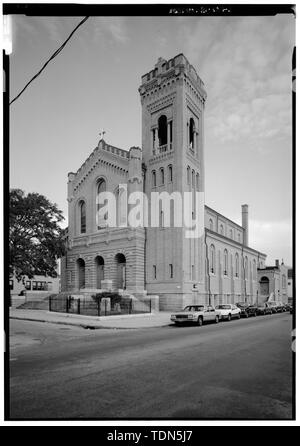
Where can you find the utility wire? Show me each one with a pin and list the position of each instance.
(51, 58)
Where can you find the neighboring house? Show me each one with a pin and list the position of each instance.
(39, 285)
(218, 267)
(290, 285)
(36, 288)
(273, 280)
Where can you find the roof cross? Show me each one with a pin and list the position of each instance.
(102, 134)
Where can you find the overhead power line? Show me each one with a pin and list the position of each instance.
(51, 58)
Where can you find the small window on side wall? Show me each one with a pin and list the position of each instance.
(170, 173)
(188, 175)
(198, 181)
(153, 178)
(162, 176)
(154, 271)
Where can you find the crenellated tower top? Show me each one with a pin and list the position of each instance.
(165, 72)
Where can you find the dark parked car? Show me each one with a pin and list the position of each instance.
(272, 306)
(246, 309)
(263, 309)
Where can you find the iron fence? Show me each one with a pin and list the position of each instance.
(91, 307)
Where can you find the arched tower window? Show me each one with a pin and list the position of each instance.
(162, 130)
(225, 262)
(221, 229)
(211, 224)
(121, 206)
(230, 233)
(101, 187)
(82, 212)
(191, 134)
(212, 259)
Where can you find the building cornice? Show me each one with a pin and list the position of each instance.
(230, 241)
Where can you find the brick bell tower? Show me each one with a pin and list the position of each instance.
(173, 97)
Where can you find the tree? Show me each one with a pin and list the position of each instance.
(36, 239)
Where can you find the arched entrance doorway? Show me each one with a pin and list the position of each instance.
(99, 271)
(264, 286)
(81, 273)
(121, 271)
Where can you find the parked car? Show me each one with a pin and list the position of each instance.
(228, 311)
(287, 307)
(263, 309)
(291, 309)
(280, 307)
(246, 309)
(272, 306)
(197, 314)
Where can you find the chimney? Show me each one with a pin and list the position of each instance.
(277, 263)
(245, 223)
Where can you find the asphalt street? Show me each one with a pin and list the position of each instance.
(232, 370)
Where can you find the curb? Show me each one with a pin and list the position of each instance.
(86, 326)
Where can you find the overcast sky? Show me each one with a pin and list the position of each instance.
(245, 63)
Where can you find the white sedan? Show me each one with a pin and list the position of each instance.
(196, 314)
(228, 311)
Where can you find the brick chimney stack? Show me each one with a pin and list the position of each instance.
(245, 223)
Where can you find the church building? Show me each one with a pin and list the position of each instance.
(219, 266)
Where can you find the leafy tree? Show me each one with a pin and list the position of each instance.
(36, 239)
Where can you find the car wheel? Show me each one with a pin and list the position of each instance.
(217, 319)
(229, 317)
(200, 321)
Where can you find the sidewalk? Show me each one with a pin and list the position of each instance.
(147, 320)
